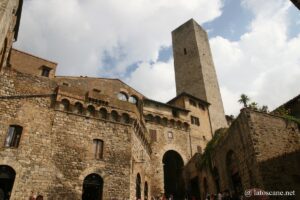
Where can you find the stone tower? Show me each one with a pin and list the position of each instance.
(194, 69)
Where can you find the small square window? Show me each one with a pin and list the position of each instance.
(45, 71)
(184, 51)
(170, 135)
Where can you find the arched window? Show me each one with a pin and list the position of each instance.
(179, 124)
(149, 117)
(158, 119)
(146, 191)
(186, 126)
(13, 136)
(133, 99)
(164, 121)
(125, 118)
(78, 108)
(216, 179)
(122, 96)
(103, 113)
(7, 179)
(138, 186)
(92, 187)
(172, 122)
(66, 104)
(114, 116)
(91, 110)
(233, 172)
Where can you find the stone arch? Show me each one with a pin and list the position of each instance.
(123, 96)
(91, 110)
(205, 187)
(103, 113)
(7, 179)
(78, 108)
(186, 126)
(133, 99)
(65, 104)
(232, 165)
(216, 178)
(172, 123)
(92, 187)
(164, 121)
(173, 175)
(125, 118)
(138, 182)
(146, 190)
(114, 115)
(149, 117)
(179, 124)
(157, 119)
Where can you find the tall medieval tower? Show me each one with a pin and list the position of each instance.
(194, 69)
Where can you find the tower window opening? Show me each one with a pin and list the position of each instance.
(195, 120)
(184, 51)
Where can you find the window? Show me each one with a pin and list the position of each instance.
(13, 136)
(122, 96)
(170, 135)
(193, 103)
(199, 149)
(175, 113)
(132, 100)
(65, 84)
(96, 90)
(184, 51)
(98, 148)
(153, 135)
(204, 138)
(46, 71)
(201, 106)
(195, 120)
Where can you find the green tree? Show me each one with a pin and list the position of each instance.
(244, 99)
(253, 106)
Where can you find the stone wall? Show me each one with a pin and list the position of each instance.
(266, 150)
(55, 153)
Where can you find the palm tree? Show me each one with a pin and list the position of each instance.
(244, 99)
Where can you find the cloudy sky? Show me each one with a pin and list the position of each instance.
(255, 44)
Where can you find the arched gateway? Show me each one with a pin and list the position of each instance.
(7, 179)
(92, 187)
(173, 177)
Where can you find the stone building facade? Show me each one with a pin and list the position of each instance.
(90, 138)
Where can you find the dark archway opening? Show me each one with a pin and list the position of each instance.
(138, 187)
(173, 177)
(92, 187)
(233, 172)
(195, 188)
(7, 179)
(216, 179)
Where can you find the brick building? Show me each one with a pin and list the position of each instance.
(96, 138)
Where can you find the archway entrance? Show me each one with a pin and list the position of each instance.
(233, 172)
(92, 187)
(195, 188)
(7, 179)
(173, 177)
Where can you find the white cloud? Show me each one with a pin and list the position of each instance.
(264, 63)
(78, 34)
(156, 81)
